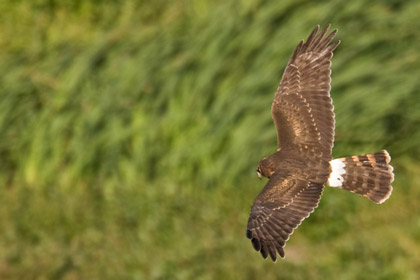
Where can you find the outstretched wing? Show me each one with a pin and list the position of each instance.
(278, 210)
(302, 109)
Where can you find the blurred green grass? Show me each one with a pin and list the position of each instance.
(131, 132)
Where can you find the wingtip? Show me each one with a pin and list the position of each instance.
(334, 32)
(313, 33)
(264, 251)
(256, 244)
(326, 28)
(281, 253)
(248, 234)
(333, 46)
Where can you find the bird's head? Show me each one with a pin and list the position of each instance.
(264, 168)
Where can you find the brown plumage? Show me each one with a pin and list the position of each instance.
(303, 114)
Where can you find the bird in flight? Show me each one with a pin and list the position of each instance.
(303, 115)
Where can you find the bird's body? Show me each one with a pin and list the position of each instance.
(303, 114)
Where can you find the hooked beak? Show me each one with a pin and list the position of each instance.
(259, 175)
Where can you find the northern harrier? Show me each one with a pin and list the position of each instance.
(302, 111)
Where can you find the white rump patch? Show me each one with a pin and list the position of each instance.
(336, 176)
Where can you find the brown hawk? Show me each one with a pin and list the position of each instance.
(302, 111)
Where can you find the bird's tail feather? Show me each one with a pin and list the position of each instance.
(369, 175)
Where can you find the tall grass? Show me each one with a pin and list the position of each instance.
(130, 133)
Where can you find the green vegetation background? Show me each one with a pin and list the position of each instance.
(130, 133)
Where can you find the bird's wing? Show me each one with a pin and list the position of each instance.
(302, 109)
(278, 210)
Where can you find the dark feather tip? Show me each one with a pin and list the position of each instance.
(248, 234)
(264, 252)
(281, 252)
(272, 252)
(256, 244)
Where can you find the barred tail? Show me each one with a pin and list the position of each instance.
(369, 175)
